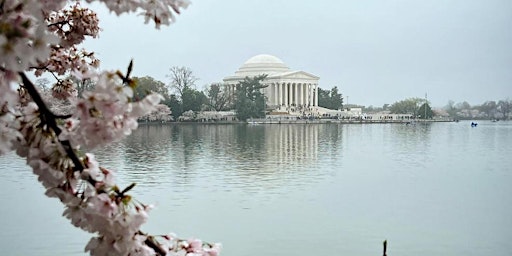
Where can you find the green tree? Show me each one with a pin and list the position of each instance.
(425, 112)
(146, 85)
(183, 83)
(336, 98)
(192, 99)
(250, 102)
(174, 104)
(330, 99)
(324, 100)
(407, 106)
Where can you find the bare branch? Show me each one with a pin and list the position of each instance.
(181, 79)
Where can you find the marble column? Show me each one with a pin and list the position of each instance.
(296, 100)
(276, 95)
(286, 94)
(316, 95)
(311, 94)
(306, 89)
(299, 87)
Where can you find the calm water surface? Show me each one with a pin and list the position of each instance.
(434, 189)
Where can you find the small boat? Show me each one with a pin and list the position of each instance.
(473, 124)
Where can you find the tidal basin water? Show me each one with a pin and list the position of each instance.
(301, 190)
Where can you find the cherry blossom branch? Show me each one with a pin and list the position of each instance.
(58, 24)
(49, 118)
(45, 68)
(42, 36)
(153, 244)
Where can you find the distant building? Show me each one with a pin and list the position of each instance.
(286, 89)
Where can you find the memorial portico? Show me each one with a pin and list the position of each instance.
(284, 88)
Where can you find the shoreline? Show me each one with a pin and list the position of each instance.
(301, 121)
(334, 121)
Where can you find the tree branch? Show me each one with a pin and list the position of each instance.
(49, 118)
(150, 241)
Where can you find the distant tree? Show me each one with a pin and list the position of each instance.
(425, 112)
(250, 102)
(181, 79)
(218, 97)
(463, 106)
(82, 85)
(490, 108)
(323, 98)
(407, 106)
(189, 115)
(336, 98)
(174, 104)
(57, 97)
(161, 113)
(58, 106)
(505, 107)
(146, 85)
(372, 109)
(183, 84)
(193, 99)
(330, 99)
(369, 109)
(79, 85)
(464, 110)
(451, 109)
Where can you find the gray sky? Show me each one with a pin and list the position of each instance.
(375, 51)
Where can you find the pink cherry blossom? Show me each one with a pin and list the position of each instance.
(72, 25)
(53, 131)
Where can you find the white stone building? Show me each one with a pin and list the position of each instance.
(286, 89)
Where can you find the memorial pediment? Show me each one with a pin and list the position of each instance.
(296, 75)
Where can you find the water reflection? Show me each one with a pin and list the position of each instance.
(247, 157)
(296, 189)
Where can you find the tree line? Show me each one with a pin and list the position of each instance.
(421, 108)
(182, 100)
(500, 109)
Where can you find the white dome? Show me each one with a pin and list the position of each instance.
(264, 59)
(262, 64)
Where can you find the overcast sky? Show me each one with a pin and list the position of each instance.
(375, 51)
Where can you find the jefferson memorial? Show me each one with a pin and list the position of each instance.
(285, 89)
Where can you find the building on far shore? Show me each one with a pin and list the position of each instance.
(286, 91)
